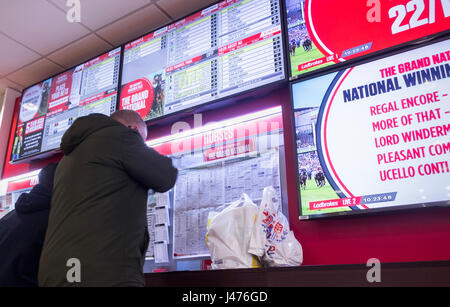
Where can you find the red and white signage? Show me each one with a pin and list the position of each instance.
(249, 40)
(221, 143)
(384, 128)
(34, 125)
(236, 148)
(349, 29)
(137, 96)
(60, 93)
(23, 184)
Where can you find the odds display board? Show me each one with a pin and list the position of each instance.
(216, 165)
(227, 48)
(375, 136)
(49, 108)
(325, 32)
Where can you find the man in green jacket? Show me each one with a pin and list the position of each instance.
(97, 233)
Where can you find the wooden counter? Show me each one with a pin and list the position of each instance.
(428, 274)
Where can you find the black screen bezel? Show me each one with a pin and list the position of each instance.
(353, 61)
(190, 110)
(50, 152)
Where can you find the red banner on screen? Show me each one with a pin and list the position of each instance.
(335, 203)
(60, 92)
(34, 125)
(183, 64)
(235, 148)
(248, 41)
(317, 62)
(217, 137)
(102, 58)
(138, 96)
(383, 23)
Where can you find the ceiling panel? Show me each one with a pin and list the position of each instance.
(80, 51)
(37, 41)
(5, 83)
(177, 9)
(35, 72)
(134, 25)
(98, 13)
(13, 55)
(38, 24)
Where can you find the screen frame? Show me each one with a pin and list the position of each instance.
(370, 212)
(224, 101)
(51, 152)
(353, 61)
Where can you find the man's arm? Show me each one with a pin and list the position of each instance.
(146, 165)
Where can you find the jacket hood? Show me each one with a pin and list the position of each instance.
(84, 127)
(38, 199)
(47, 175)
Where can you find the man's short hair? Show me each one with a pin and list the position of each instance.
(131, 118)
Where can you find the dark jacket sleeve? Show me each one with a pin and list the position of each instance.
(146, 165)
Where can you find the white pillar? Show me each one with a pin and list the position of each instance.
(6, 116)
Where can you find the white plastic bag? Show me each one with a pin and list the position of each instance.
(228, 235)
(271, 239)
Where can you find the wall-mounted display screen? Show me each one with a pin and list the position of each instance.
(49, 108)
(228, 48)
(375, 136)
(325, 32)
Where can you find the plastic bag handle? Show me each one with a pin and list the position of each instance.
(238, 203)
(269, 194)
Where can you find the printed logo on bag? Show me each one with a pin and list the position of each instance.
(278, 228)
(269, 218)
(271, 250)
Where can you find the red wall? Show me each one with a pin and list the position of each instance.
(420, 235)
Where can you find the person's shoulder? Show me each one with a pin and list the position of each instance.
(8, 221)
(123, 139)
(114, 129)
(129, 135)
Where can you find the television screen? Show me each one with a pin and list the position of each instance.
(49, 108)
(227, 48)
(325, 32)
(375, 136)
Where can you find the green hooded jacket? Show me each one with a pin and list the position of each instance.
(98, 211)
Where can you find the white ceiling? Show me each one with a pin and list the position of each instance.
(37, 41)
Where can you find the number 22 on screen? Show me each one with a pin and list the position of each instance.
(418, 7)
